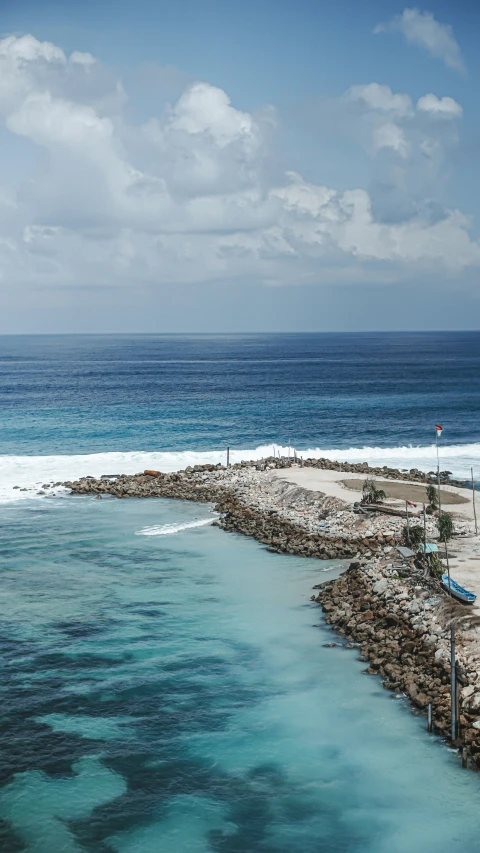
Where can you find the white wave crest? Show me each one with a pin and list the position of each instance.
(32, 472)
(168, 529)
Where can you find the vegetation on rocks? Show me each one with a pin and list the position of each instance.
(413, 535)
(446, 528)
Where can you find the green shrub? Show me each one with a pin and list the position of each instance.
(445, 527)
(414, 536)
(432, 496)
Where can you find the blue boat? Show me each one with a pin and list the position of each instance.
(458, 591)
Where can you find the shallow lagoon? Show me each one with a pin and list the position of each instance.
(170, 691)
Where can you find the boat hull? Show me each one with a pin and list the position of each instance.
(458, 591)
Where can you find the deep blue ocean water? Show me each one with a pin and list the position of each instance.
(87, 394)
(165, 686)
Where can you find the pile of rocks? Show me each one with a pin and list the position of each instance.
(414, 474)
(283, 536)
(403, 628)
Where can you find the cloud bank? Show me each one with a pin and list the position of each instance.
(193, 194)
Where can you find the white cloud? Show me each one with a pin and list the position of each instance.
(381, 98)
(391, 136)
(82, 58)
(422, 29)
(192, 193)
(442, 107)
(205, 109)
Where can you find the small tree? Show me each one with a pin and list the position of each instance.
(432, 497)
(372, 495)
(445, 527)
(413, 536)
(436, 566)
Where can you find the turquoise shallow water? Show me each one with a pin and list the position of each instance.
(171, 692)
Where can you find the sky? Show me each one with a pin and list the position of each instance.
(239, 166)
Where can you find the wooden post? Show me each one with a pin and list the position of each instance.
(228, 457)
(453, 686)
(474, 510)
(429, 718)
(464, 757)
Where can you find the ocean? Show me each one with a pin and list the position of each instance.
(165, 686)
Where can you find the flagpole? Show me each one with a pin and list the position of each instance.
(474, 510)
(438, 476)
(424, 531)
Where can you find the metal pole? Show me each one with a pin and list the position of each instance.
(408, 524)
(438, 478)
(448, 567)
(424, 531)
(429, 718)
(228, 457)
(453, 690)
(474, 510)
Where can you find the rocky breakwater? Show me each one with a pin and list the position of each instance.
(286, 519)
(403, 629)
(366, 470)
(193, 484)
(286, 536)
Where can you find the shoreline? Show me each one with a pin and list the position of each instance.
(401, 620)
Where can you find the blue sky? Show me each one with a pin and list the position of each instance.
(207, 165)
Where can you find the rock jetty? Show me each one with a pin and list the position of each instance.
(403, 629)
(287, 519)
(400, 618)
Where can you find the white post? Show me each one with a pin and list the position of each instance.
(453, 686)
(474, 510)
(424, 531)
(438, 476)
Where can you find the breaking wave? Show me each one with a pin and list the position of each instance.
(168, 529)
(32, 472)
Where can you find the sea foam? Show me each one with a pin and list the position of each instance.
(168, 529)
(32, 472)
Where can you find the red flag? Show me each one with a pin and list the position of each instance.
(439, 428)
(410, 503)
